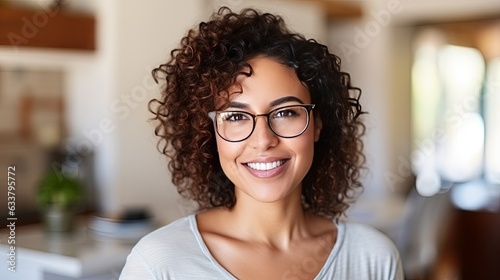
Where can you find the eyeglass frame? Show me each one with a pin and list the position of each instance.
(308, 107)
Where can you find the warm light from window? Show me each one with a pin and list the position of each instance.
(460, 151)
(492, 115)
(471, 196)
(428, 182)
(460, 156)
(425, 105)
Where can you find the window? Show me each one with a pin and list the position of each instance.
(455, 115)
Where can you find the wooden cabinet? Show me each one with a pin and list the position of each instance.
(478, 246)
(46, 28)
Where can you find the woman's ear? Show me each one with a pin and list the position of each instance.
(318, 125)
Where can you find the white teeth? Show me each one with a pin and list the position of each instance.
(265, 165)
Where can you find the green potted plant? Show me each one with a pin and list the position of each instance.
(60, 196)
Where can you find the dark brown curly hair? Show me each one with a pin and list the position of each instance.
(206, 64)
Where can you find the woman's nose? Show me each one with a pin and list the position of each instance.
(262, 137)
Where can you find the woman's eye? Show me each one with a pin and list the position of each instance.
(233, 117)
(286, 113)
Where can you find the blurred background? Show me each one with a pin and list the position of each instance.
(75, 83)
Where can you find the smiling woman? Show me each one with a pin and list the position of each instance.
(263, 132)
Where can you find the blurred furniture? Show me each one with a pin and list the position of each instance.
(46, 28)
(52, 256)
(474, 238)
(425, 222)
(478, 244)
(30, 161)
(335, 10)
(452, 235)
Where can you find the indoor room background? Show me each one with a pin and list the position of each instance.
(430, 76)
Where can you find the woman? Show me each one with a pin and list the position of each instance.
(263, 134)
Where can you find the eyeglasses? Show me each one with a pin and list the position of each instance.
(286, 122)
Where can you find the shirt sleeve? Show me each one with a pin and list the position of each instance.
(367, 253)
(398, 272)
(136, 268)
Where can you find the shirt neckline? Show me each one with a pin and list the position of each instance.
(329, 261)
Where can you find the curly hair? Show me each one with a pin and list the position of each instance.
(206, 64)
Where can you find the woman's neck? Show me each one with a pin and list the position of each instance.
(276, 223)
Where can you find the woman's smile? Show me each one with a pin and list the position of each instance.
(265, 166)
(267, 169)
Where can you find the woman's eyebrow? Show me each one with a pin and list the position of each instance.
(279, 101)
(238, 105)
(285, 99)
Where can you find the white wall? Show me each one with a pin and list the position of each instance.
(366, 49)
(145, 33)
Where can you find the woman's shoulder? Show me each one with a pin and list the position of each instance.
(175, 237)
(173, 251)
(366, 238)
(359, 229)
(363, 252)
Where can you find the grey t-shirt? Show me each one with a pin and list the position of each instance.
(177, 252)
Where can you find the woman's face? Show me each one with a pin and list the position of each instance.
(266, 167)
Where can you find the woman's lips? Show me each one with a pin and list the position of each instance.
(265, 166)
(266, 169)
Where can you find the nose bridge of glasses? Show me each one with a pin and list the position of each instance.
(267, 123)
